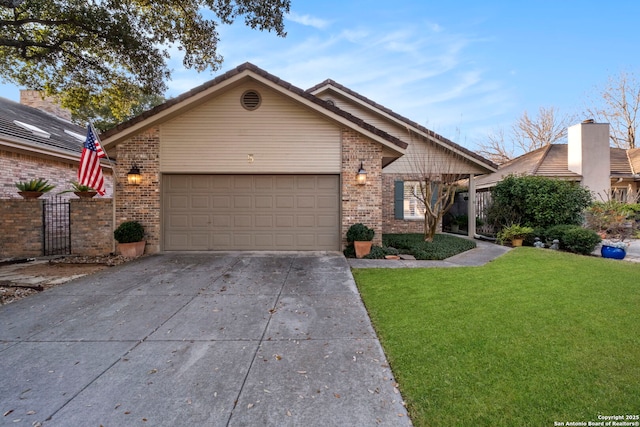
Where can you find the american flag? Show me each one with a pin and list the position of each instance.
(90, 171)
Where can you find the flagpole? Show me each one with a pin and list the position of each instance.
(114, 179)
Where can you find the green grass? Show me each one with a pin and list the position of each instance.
(532, 338)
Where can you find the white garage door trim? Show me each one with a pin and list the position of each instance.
(251, 212)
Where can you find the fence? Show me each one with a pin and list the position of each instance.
(56, 226)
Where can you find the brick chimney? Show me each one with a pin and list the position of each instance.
(36, 99)
(589, 156)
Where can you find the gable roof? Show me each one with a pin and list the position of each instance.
(404, 121)
(552, 161)
(247, 70)
(30, 129)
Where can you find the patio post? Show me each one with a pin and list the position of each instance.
(471, 206)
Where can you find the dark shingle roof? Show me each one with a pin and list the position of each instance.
(397, 116)
(58, 140)
(250, 67)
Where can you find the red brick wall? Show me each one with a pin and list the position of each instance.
(140, 202)
(20, 228)
(92, 226)
(15, 167)
(361, 203)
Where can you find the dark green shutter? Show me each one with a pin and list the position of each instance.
(398, 199)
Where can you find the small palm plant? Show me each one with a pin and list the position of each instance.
(35, 186)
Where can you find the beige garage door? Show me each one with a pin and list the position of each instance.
(251, 212)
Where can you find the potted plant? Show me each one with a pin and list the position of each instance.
(34, 188)
(514, 233)
(613, 221)
(80, 190)
(459, 222)
(361, 236)
(130, 235)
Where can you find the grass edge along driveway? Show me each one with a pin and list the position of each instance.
(534, 338)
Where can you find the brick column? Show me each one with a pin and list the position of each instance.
(140, 202)
(361, 203)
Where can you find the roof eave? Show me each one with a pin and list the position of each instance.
(330, 85)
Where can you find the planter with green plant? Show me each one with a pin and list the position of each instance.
(514, 233)
(34, 188)
(130, 237)
(361, 236)
(80, 190)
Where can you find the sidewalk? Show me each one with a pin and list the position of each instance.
(482, 254)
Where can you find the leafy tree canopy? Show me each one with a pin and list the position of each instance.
(116, 50)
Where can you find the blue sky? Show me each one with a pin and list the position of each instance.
(460, 68)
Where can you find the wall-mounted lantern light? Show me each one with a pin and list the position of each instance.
(361, 178)
(133, 176)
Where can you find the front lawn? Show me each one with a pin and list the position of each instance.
(533, 338)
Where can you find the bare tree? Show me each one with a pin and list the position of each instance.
(527, 134)
(438, 175)
(621, 104)
(495, 147)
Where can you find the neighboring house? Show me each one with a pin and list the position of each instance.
(250, 162)
(40, 142)
(587, 159)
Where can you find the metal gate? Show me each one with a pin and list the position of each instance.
(56, 223)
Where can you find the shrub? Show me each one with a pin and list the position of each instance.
(442, 247)
(537, 201)
(129, 232)
(581, 240)
(359, 233)
(379, 252)
(558, 232)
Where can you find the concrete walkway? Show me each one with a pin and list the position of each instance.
(199, 339)
(482, 254)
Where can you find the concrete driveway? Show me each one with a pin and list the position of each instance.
(206, 339)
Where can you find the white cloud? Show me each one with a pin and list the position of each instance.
(308, 20)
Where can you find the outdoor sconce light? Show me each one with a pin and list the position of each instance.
(133, 176)
(361, 178)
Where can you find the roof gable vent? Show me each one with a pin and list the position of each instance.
(250, 100)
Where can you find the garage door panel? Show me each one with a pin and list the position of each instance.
(200, 202)
(221, 202)
(264, 221)
(243, 221)
(242, 202)
(264, 202)
(306, 202)
(329, 221)
(224, 220)
(284, 202)
(251, 212)
(285, 241)
(200, 221)
(262, 241)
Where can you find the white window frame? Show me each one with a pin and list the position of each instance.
(413, 208)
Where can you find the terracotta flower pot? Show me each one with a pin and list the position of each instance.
(362, 248)
(30, 194)
(131, 250)
(85, 194)
(516, 242)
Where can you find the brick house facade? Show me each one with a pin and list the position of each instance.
(213, 145)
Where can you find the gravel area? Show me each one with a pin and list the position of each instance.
(49, 273)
